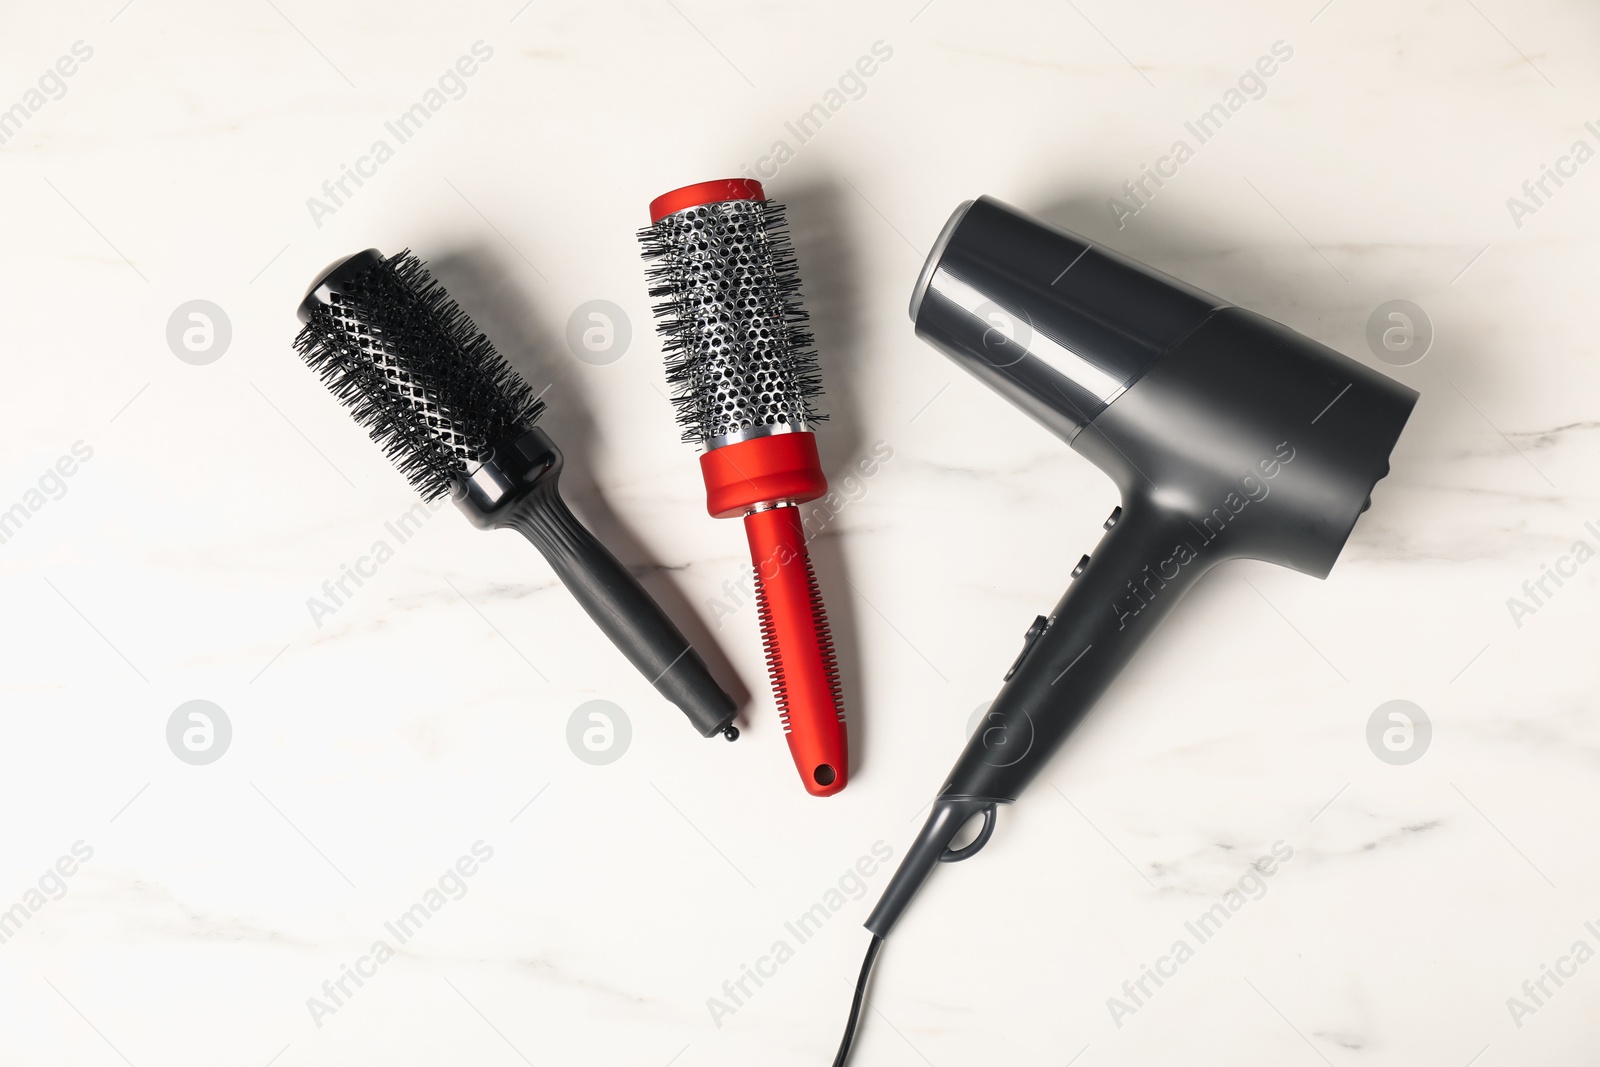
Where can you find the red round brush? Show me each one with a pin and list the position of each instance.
(740, 359)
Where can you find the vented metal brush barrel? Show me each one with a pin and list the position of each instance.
(738, 351)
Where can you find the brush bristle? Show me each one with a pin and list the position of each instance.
(413, 369)
(738, 352)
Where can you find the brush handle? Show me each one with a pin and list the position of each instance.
(800, 655)
(620, 606)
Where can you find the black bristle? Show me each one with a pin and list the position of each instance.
(738, 351)
(412, 368)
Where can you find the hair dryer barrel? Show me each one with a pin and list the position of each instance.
(1055, 324)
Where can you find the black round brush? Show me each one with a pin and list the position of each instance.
(456, 419)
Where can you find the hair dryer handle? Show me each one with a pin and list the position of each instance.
(1148, 558)
(1146, 561)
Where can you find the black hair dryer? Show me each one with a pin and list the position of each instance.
(1229, 435)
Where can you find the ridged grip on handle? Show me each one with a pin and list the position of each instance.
(620, 606)
(800, 655)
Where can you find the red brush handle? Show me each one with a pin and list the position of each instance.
(800, 656)
(784, 469)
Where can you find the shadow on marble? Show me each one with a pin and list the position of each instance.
(832, 284)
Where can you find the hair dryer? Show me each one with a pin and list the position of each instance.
(1228, 435)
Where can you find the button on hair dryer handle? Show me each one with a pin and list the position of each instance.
(1131, 581)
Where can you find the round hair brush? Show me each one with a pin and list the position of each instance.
(455, 417)
(740, 359)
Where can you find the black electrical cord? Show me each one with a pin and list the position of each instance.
(855, 1005)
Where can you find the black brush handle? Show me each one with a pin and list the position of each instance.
(621, 608)
(519, 489)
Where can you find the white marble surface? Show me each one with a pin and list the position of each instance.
(371, 752)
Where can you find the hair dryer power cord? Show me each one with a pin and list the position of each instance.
(855, 1005)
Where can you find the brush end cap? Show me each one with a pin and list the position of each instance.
(702, 193)
(762, 470)
(329, 281)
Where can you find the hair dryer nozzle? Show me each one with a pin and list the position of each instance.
(1057, 325)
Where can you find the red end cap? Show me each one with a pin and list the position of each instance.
(762, 470)
(716, 192)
